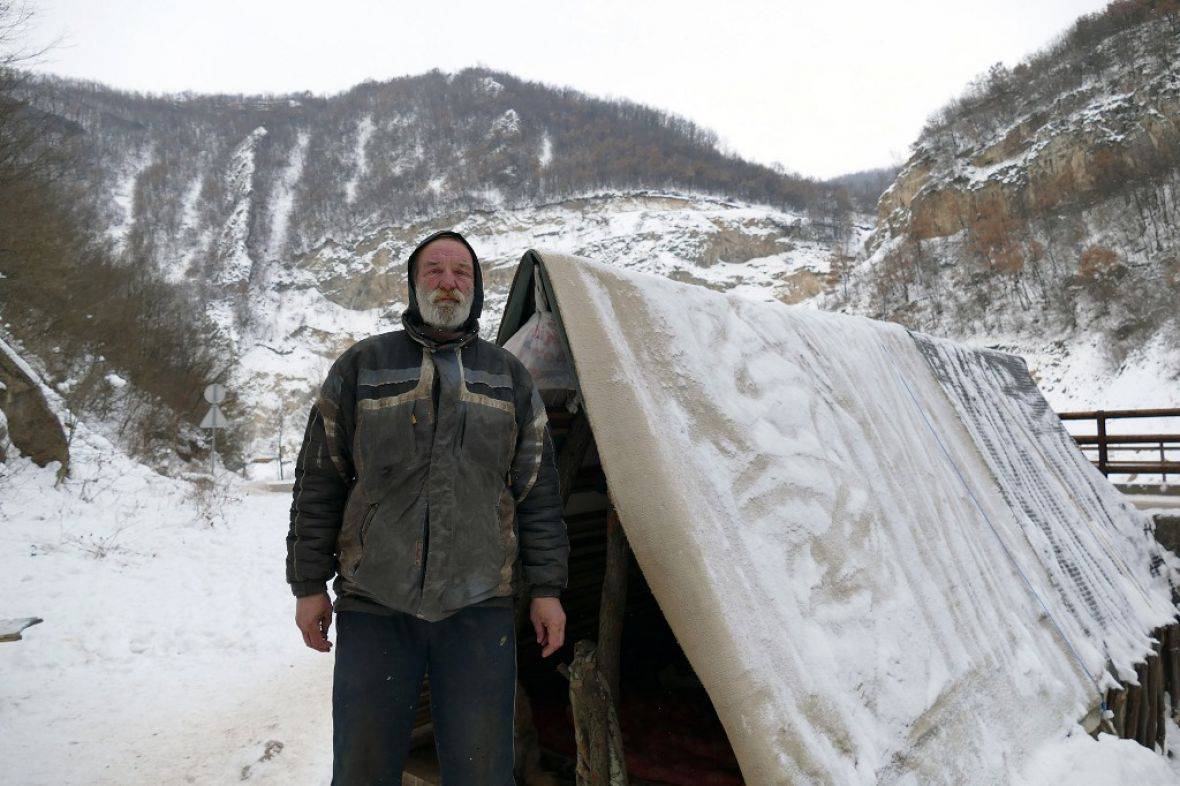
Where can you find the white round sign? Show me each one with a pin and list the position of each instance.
(215, 393)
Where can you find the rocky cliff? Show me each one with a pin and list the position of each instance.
(1038, 213)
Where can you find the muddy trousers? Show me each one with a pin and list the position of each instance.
(380, 661)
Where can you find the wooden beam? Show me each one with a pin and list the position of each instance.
(612, 605)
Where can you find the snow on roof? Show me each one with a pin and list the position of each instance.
(879, 551)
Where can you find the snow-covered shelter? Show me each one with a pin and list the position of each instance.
(880, 553)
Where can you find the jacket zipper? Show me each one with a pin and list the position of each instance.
(367, 521)
(361, 535)
(423, 545)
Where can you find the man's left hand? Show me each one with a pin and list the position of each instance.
(549, 622)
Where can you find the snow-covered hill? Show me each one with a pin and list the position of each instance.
(289, 217)
(338, 292)
(1040, 214)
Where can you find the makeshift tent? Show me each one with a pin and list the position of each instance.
(879, 552)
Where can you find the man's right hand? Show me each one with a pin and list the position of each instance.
(313, 615)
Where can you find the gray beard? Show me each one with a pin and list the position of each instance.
(444, 316)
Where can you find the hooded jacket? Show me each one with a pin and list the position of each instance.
(426, 471)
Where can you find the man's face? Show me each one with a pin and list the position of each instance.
(445, 280)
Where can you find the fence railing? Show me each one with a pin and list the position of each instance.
(1152, 454)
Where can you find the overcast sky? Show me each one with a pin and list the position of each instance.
(822, 87)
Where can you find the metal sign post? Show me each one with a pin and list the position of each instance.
(281, 414)
(214, 419)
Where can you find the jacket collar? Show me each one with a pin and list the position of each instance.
(416, 329)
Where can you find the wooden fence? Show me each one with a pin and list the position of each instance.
(1131, 454)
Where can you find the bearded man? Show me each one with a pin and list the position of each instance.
(426, 483)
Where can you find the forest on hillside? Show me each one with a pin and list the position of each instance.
(92, 318)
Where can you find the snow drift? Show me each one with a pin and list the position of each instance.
(880, 551)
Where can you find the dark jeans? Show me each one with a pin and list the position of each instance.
(380, 661)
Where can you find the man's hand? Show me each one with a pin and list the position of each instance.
(313, 615)
(549, 622)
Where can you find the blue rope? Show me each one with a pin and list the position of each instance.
(1011, 557)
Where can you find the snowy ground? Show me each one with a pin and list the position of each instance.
(168, 654)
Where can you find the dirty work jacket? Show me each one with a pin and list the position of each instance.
(377, 457)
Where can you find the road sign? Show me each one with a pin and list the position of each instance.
(214, 418)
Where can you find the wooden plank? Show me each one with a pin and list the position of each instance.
(1128, 439)
(1121, 413)
(1153, 701)
(1116, 702)
(1131, 722)
(1141, 708)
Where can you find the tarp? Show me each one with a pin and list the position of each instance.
(880, 552)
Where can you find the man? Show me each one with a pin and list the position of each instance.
(426, 469)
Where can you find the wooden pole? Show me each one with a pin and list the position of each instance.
(1131, 725)
(1152, 703)
(596, 727)
(612, 606)
(1172, 656)
(1116, 702)
(1141, 709)
(1102, 453)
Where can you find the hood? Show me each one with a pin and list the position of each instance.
(412, 317)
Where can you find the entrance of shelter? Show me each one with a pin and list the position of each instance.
(670, 733)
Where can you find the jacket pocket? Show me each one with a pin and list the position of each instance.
(364, 528)
(387, 436)
(487, 437)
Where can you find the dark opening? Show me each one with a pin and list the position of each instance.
(671, 733)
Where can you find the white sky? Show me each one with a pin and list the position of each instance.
(823, 88)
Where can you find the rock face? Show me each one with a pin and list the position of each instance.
(1040, 212)
(33, 427)
(1039, 166)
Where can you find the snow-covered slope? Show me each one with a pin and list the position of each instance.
(168, 652)
(339, 292)
(288, 217)
(1037, 215)
(1040, 213)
